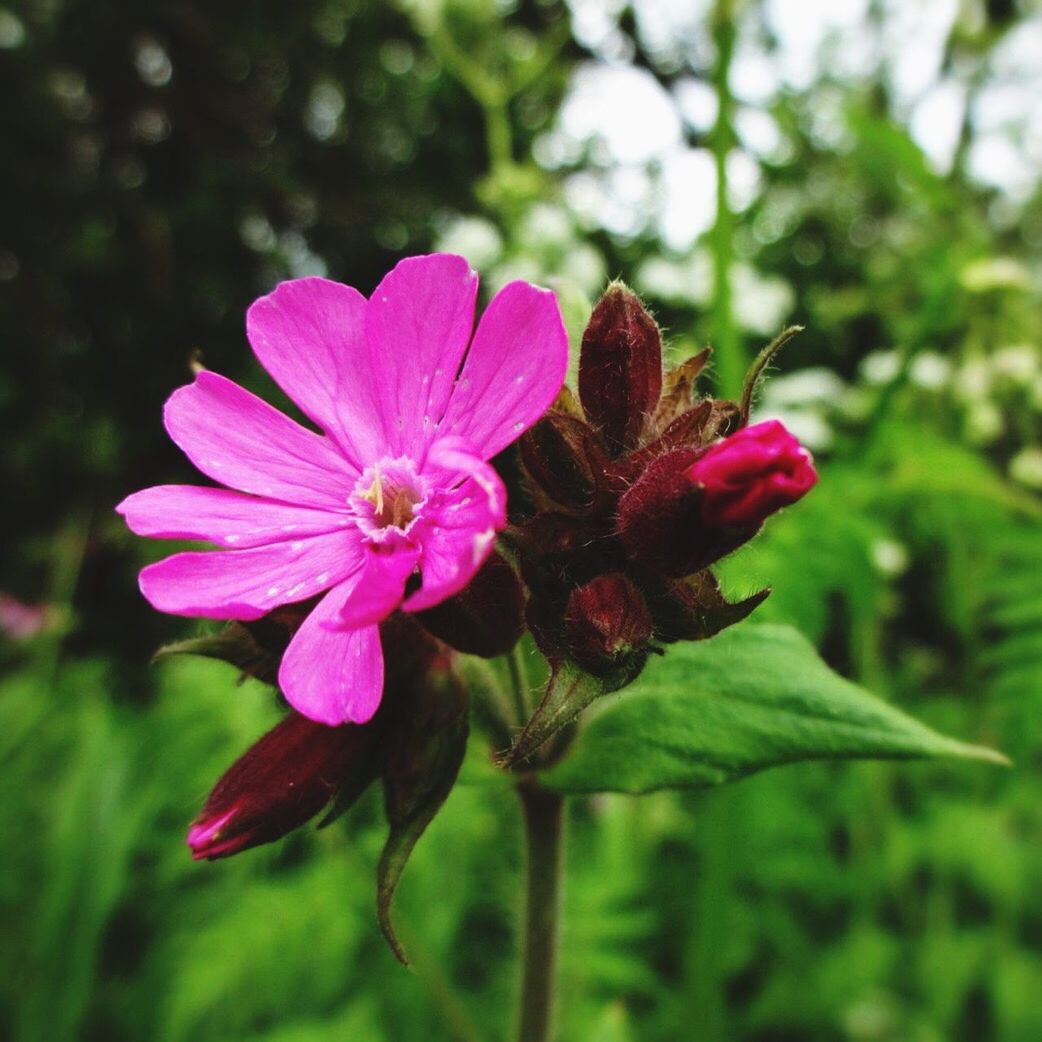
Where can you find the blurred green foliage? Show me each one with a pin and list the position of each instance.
(162, 163)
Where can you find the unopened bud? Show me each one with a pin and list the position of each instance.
(748, 476)
(563, 461)
(280, 783)
(608, 625)
(620, 367)
(486, 618)
(660, 520)
(690, 507)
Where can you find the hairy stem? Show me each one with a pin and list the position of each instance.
(543, 816)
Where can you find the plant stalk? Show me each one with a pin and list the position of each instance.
(727, 341)
(543, 818)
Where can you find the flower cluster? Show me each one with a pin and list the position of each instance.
(354, 563)
(639, 486)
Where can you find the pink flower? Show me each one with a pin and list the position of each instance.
(21, 621)
(751, 474)
(411, 406)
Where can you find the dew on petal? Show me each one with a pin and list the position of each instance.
(273, 591)
(231, 538)
(297, 544)
(320, 579)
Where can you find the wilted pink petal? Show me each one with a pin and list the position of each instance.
(235, 438)
(505, 385)
(246, 584)
(333, 675)
(231, 519)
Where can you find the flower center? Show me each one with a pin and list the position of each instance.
(389, 496)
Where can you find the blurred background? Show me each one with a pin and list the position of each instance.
(870, 169)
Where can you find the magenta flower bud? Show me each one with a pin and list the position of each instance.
(748, 476)
(280, 783)
(620, 367)
(608, 625)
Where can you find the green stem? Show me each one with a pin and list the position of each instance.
(543, 816)
(727, 345)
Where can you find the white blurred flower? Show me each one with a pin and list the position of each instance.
(1026, 467)
(984, 422)
(880, 367)
(889, 556)
(474, 238)
(804, 387)
(930, 370)
(1017, 363)
(973, 380)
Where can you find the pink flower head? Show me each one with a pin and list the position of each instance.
(412, 407)
(751, 474)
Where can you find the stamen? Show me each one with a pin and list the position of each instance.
(375, 493)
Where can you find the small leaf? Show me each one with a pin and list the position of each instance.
(568, 692)
(716, 711)
(487, 617)
(759, 367)
(235, 644)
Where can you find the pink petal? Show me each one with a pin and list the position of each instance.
(333, 676)
(245, 584)
(515, 367)
(461, 524)
(379, 587)
(310, 335)
(235, 438)
(228, 518)
(418, 322)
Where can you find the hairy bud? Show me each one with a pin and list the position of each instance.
(280, 783)
(608, 625)
(620, 367)
(751, 474)
(660, 520)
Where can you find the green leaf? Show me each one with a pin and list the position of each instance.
(716, 711)
(235, 644)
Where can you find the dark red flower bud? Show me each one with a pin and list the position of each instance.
(620, 367)
(563, 461)
(660, 520)
(608, 625)
(690, 508)
(487, 617)
(751, 474)
(280, 783)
